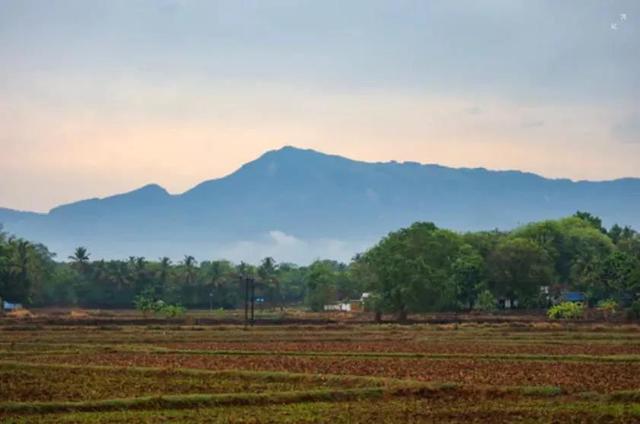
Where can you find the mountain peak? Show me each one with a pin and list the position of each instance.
(291, 151)
(142, 195)
(301, 156)
(150, 189)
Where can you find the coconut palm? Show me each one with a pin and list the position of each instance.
(18, 282)
(268, 273)
(80, 255)
(189, 264)
(163, 275)
(80, 258)
(189, 272)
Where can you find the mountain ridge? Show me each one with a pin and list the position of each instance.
(312, 196)
(289, 147)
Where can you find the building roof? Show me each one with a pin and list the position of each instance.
(574, 297)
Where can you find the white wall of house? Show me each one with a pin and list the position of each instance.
(343, 307)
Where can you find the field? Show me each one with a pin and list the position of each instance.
(344, 372)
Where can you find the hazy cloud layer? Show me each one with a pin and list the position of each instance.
(276, 244)
(288, 248)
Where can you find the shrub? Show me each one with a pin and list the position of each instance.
(145, 304)
(486, 301)
(172, 311)
(609, 306)
(566, 310)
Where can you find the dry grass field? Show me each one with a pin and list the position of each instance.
(345, 372)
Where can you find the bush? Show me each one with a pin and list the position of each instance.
(566, 310)
(146, 304)
(172, 311)
(486, 301)
(609, 306)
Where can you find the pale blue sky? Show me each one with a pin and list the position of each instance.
(98, 97)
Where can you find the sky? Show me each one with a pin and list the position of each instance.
(102, 97)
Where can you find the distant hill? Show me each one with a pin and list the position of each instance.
(300, 204)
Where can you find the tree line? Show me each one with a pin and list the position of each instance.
(421, 268)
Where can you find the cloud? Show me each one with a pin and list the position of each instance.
(284, 239)
(287, 248)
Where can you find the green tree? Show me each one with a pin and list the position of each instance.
(140, 275)
(268, 275)
(293, 282)
(189, 274)
(80, 258)
(518, 268)
(629, 242)
(574, 245)
(221, 288)
(468, 275)
(162, 276)
(592, 220)
(16, 282)
(321, 285)
(486, 301)
(618, 277)
(24, 269)
(413, 268)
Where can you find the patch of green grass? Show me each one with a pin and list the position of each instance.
(540, 391)
(630, 396)
(238, 374)
(411, 355)
(191, 401)
(450, 409)
(23, 382)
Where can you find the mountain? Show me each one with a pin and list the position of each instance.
(297, 204)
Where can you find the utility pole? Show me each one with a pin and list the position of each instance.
(253, 299)
(246, 301)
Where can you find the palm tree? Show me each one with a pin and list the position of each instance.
(117, 274)
(19, 267)
(80, 258)
(220, 271)
(189, 292)
(80, 255)
(189, 264)
(219, 274)
(101, 272)
(21, 259)
(20, 255)
(268, 276)
(163, 275)
(139, 265)
(243, 272)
